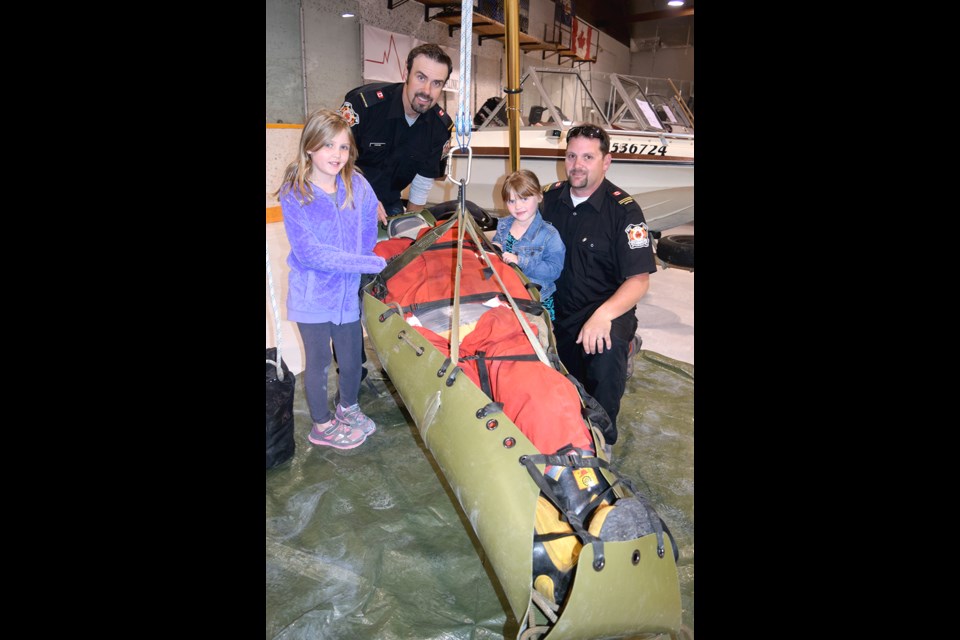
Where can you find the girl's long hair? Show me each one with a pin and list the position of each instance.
(322, 126)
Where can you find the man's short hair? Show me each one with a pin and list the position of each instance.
(433, 52)
(591, 131)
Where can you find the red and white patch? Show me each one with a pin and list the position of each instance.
(380, 94)
(441, 112)
(349, 114)
(616, 193)
(637, 236)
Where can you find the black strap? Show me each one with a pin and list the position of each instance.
(574, 459)
(480, 356)
(484, 374)
(527, 306)
(487, 409)
(673, 543)
(592, 410)
(468, 243)
(547, 537)
(573, 519)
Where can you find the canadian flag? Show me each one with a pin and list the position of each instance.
(581, 39)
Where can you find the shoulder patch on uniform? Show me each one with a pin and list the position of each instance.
(349, 114)
(637, 235)
(620, 196)
(372, 97)
(444, 117)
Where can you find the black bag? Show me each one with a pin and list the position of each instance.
(594, 411)
(280, 443)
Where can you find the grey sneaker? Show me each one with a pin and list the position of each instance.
(356, 419)
(337, 435)
(632, 352)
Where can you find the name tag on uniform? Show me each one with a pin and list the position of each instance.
(377, 144)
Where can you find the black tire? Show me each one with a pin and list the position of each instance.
(677, 250)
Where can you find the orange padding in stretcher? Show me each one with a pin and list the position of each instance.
(430, 276)
(543, 404)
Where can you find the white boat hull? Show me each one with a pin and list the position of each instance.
(643, 163)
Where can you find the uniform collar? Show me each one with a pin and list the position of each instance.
(396, 103)
(596, 198)
(396, 106)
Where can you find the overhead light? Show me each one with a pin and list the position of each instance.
(675, 3)
(350, 15)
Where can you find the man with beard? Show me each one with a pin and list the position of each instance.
(401, 132)
(606, 270)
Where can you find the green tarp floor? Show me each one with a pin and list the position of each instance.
(371, 542)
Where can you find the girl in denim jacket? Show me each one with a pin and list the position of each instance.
(330, 216)
(526, 239)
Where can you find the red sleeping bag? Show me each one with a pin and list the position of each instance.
(430, 276)
(543, 404)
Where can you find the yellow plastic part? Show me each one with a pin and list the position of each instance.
(564, 551)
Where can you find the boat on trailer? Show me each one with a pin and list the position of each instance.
(651, 141)
(579, 553)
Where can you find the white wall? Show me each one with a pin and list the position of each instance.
(332, 49)
(671, 62)
(284, 67)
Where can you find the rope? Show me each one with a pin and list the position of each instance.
(464, 130)
(485, 256)
(464, 122)
(276, 317)
(455, 320)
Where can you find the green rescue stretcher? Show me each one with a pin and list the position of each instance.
(578, 552)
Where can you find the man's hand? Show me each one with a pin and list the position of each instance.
(381, 213)
(595, 334)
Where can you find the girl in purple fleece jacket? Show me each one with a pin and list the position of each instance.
(330, 216)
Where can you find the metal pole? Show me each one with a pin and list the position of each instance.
(512, 9)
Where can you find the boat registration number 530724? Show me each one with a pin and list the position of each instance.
(638, 149)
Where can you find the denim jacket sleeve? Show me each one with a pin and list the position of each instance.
(500, 236)
(547, 268)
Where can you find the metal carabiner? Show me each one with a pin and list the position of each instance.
(462, 183)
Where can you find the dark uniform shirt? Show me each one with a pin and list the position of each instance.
(391, 152)
(607, 242)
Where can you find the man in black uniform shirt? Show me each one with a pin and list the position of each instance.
(401, 132)
(606, 269)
